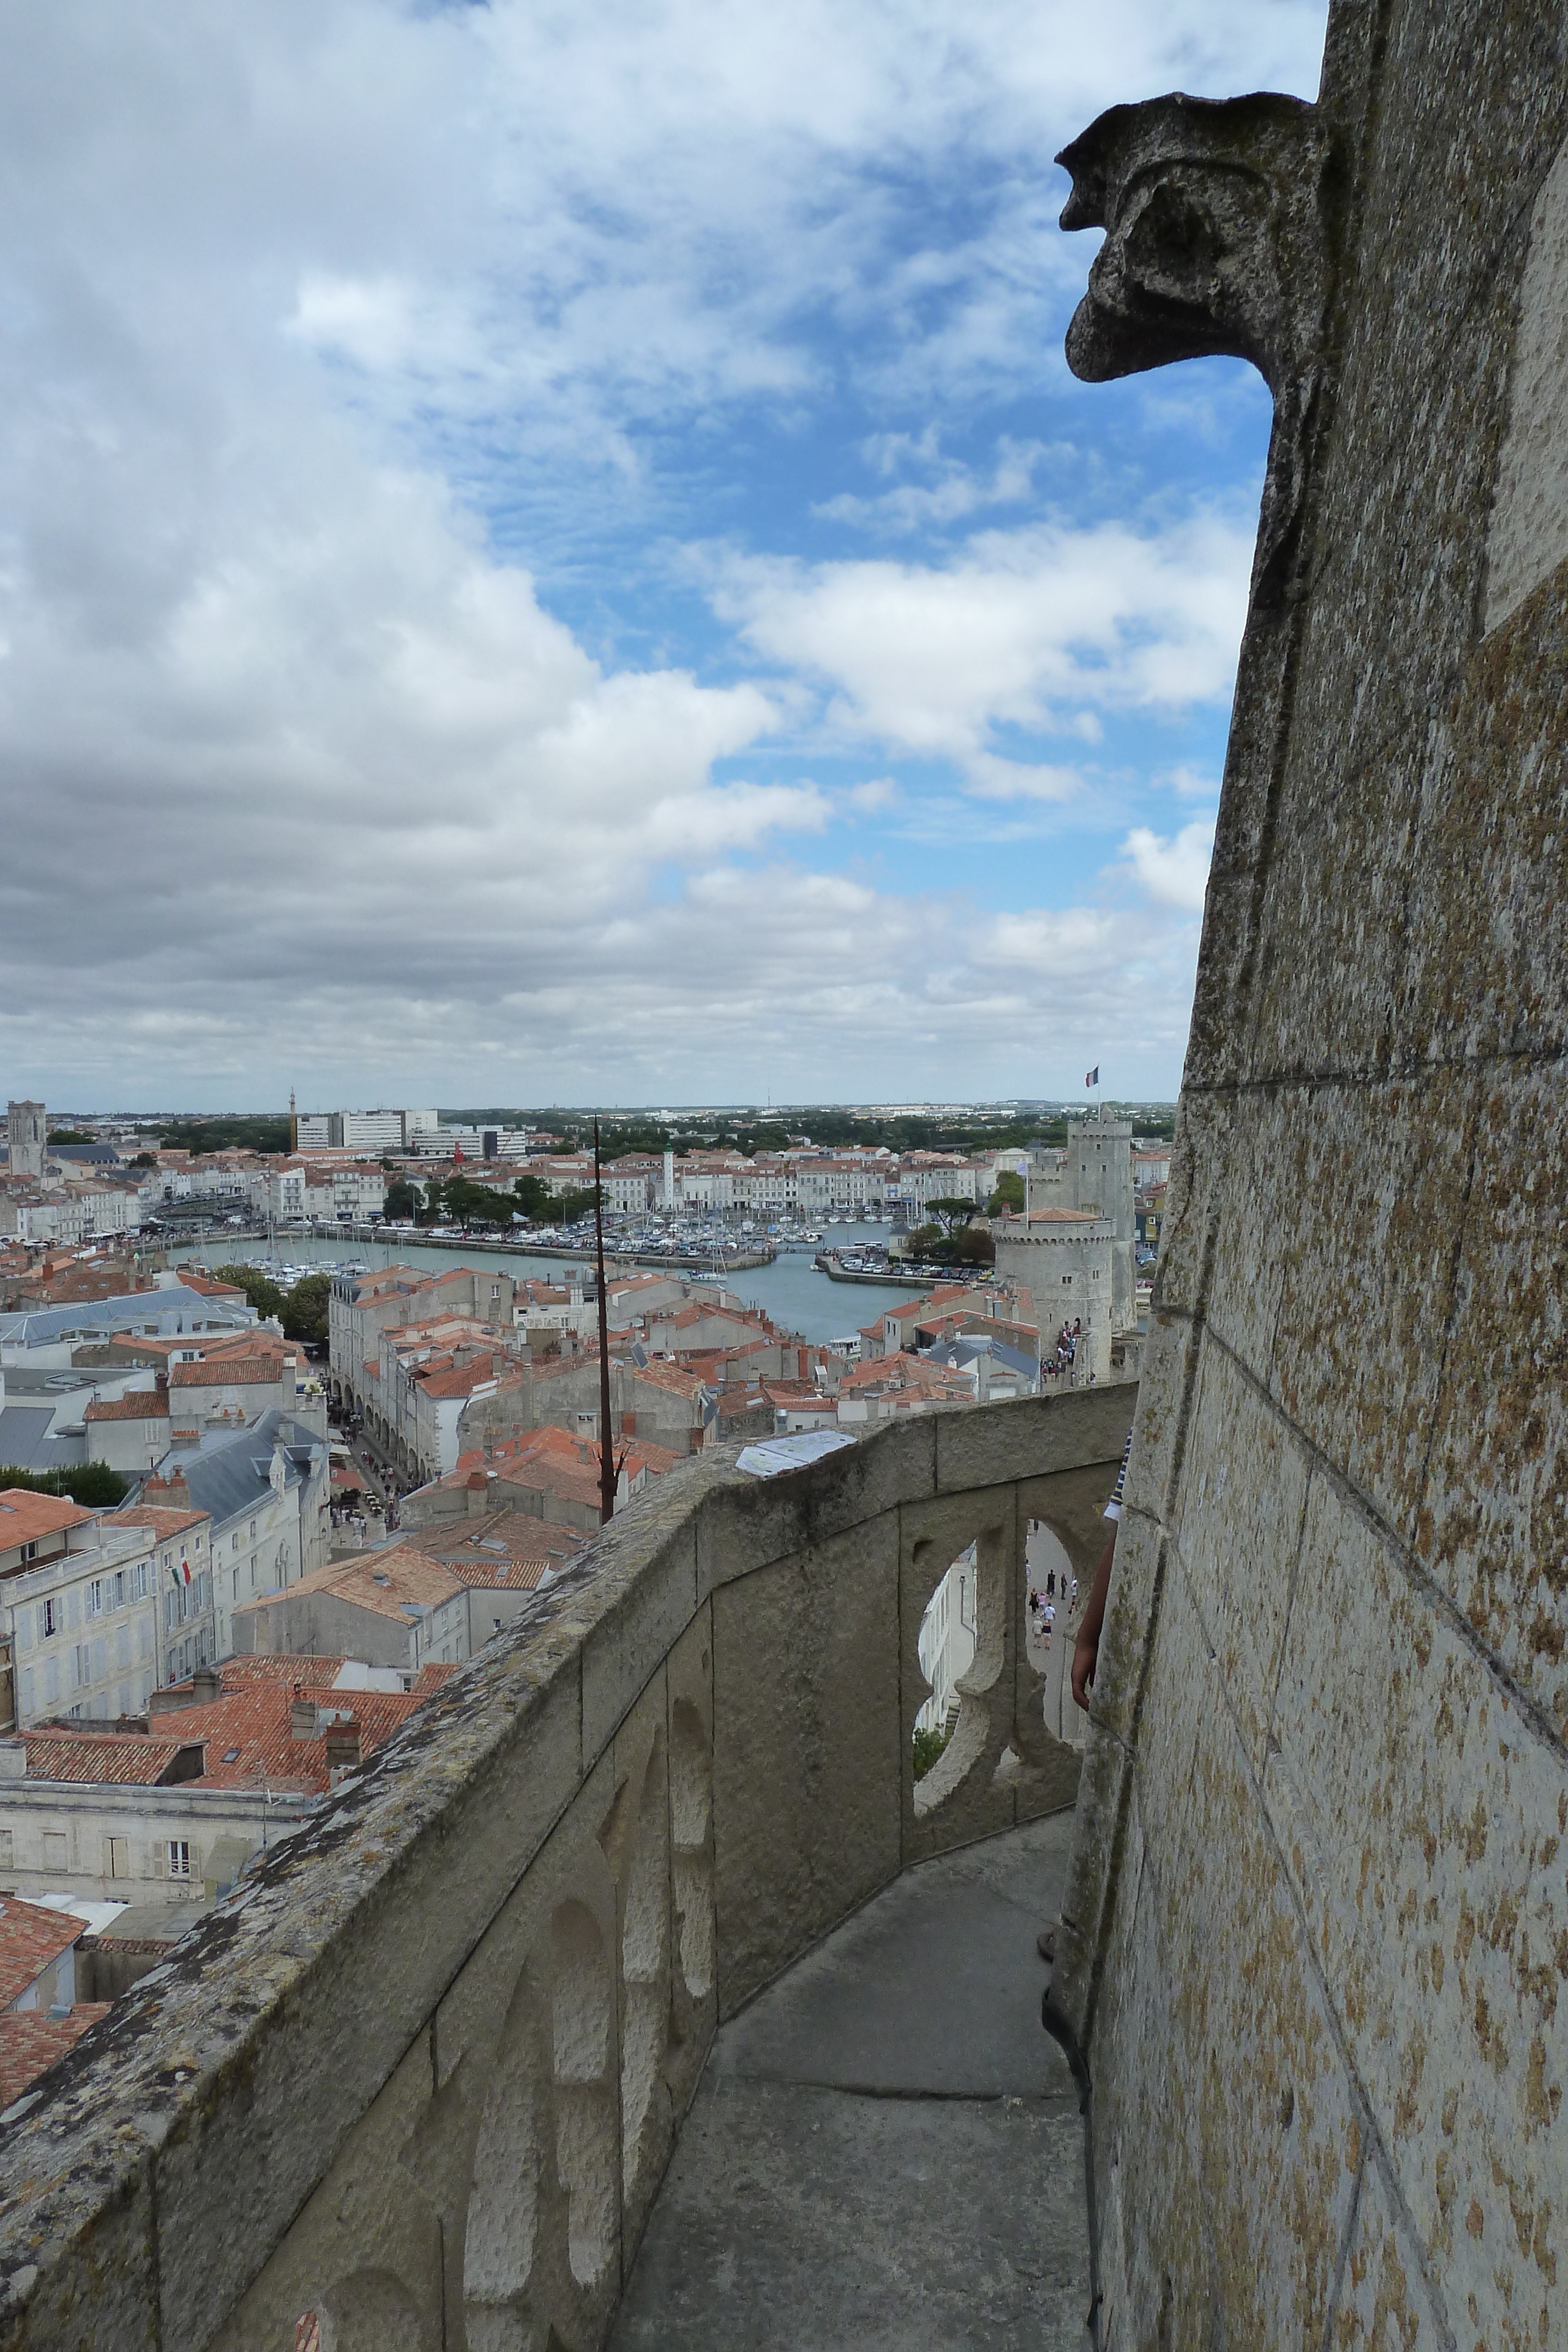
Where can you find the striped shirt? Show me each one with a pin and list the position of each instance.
(1113, 1508)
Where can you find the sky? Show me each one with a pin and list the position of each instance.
(551, 554)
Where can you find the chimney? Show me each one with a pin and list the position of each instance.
(343, 1746)
(13, 1759)
(301, 1714)
(475, 1493)
(206, 1686)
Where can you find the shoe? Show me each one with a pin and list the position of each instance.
(1045, 1945)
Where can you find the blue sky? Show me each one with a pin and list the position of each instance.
(554, 555)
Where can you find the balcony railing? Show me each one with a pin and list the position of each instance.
(422, 2074)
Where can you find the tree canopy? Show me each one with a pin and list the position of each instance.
(93, 1484)
(1007, 1193)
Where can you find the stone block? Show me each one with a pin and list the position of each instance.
(1129, 1625)
(1492, 1525)
(82, 2267)
(807, 1758)
(747, 1522)
(1166, 1386)
(1200, 1158)
(1422, 1818)
(989, 1445)
(1481, 976)
(1385, 2295)
(694, 1975)
(1235, 2007)
(646, 1601)
(367, 2249)
(409, 1868)
(1238, 1534)
(1375, 1178)
(1095, 1877)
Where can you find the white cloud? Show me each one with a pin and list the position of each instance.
(1174, 872)
(870, 799)
(1028, 628)
(303, 307)
(955, 492)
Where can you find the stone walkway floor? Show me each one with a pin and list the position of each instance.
(886, 2150)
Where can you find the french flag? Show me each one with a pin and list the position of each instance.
(1093, 1077)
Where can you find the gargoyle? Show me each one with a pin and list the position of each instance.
(1215, 243)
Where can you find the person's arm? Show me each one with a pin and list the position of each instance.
(1086, 1649)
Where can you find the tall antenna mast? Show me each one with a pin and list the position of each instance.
(606, 1452)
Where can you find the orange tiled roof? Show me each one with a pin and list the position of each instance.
(125, 1759)
(137, 1404)
(226, 1372)
(30, 1937)
(163, 1523)
(31, 2042)
(24, 1517)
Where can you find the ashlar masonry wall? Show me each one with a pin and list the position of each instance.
(422, 2075)
(1318, 1931)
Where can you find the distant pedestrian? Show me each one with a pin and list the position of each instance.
(1050, 1620)
(1050, 1584)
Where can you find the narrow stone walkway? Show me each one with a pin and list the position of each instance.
(886, 2151)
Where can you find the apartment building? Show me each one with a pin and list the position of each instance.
(86, 1625)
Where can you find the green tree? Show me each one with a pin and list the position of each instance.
(1008, 1193)
(468, 1203)
(403, 1201)
(928, 1747)
(145, 1159)
(93, 1484)
(305, 1310)
(259, 1288)
(950, 1213)
(533, 1196)
(69, 1135)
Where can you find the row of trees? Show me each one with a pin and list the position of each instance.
(93, 1484)
(461, 1200)
(302, 1311)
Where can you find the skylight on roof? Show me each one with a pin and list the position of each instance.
(230, 1755)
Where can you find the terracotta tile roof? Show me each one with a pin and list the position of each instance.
(126, 1759)
(24, 1517)
(506, 1549)
(391, 1581)
(137, 1404)
(30, 1937)
(31, 2040)
(161, 1523)
(226, 1371)
(247, 1733)
(459, 1380)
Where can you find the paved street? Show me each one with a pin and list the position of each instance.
(1062, 1714)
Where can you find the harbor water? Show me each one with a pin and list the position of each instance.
(791, 1290)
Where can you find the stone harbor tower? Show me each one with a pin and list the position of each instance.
(26, 1126)
(1100, 1177)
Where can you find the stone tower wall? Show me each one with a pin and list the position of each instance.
(1315, 1950)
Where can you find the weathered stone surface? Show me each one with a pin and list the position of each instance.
(1240, 1536)
(1046, 1433)
(807, 1750)
(1325, 1806)
(1423, 1823)
(746, 1522)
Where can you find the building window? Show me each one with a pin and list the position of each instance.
(48, 1619)
(26, 1690)
(95, 1597)
(81, 1666)
(51, 1681)
(139, 1579)
(55, 1849)
(179, 1858)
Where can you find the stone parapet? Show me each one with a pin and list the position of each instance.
(422, 2074)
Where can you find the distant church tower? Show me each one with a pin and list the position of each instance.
(293, 1126)
(26, 1126)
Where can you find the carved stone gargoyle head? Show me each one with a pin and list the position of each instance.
(1213, 214)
